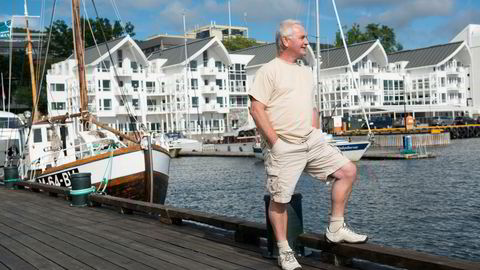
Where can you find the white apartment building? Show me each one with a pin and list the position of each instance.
(201, 89)
(202, 93)
(425, 82)
(471, 35)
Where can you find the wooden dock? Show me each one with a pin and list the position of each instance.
(40, 230)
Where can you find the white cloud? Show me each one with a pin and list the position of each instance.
(406, 12)
(458, 22)
(364, 3)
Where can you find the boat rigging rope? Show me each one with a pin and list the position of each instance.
(108, 169)
(355, 85)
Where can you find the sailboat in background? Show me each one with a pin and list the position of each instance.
(59, 146)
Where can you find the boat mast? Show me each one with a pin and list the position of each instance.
(30, 60)
(79, 55)
(187, 93)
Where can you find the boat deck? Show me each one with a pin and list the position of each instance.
(42, 232)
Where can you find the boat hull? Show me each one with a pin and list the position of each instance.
(352, 150)
(127, 178)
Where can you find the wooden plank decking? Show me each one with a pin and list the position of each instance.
(42, 232)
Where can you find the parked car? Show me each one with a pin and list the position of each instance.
(464, 120)
(442, 121)
(379, 122)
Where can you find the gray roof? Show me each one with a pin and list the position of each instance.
(176, 55)
(428, 56)
(262, 54)
(337, 57)
(91, 53)
(162, 41)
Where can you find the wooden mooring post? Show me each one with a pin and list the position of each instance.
(251, 232)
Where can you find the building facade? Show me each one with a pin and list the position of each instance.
(202, 90)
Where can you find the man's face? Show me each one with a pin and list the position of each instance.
(297, 42)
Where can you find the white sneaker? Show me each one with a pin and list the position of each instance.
(287, 261)
(345, 235)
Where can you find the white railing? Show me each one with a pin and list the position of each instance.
(208, 71)
(209, 107)
(209, 89)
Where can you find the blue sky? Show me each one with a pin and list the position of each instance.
(417, 23)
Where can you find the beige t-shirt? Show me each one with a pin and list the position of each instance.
(286, 89)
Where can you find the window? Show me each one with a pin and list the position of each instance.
(136, 104)
(194, 84)
(193, 65)
(216, 124)
(37, 135)
(234, 123)
(121, 102)
(150, 86)
(59, 87)
(218, 66)
(120, 83)
(135, 85)
(58, 105)
(205, 58)
(107, 104)
(106, 85)
(219, 83)
(105, 66)
(120, 58)
(194, 102)
(134, 66)
(220, 101)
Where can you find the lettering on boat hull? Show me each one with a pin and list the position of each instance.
(60, 179)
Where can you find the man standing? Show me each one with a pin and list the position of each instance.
(283, 110)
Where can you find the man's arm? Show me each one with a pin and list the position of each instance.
(263, 123)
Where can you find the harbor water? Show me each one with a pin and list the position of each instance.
(428, 205)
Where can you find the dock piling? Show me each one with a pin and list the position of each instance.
(81, 187)
(295, 227)
(11, 176)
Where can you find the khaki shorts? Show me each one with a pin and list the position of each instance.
(285, 162)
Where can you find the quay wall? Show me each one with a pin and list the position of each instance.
(418, 140)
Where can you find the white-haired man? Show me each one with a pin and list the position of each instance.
(284, 113)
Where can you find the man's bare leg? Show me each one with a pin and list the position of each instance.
(341, 190)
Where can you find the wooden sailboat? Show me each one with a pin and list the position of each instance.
(60, 146)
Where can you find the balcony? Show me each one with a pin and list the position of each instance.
(123, 91)
(368, 72)
(454, 87)
(211, 107)
(210, 89)
(208, 71)
(369, 88)
(454, 71)
(151, 91)
(238, 89)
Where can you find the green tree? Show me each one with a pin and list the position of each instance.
(62, 35)
(383, 33)
(238, 42)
